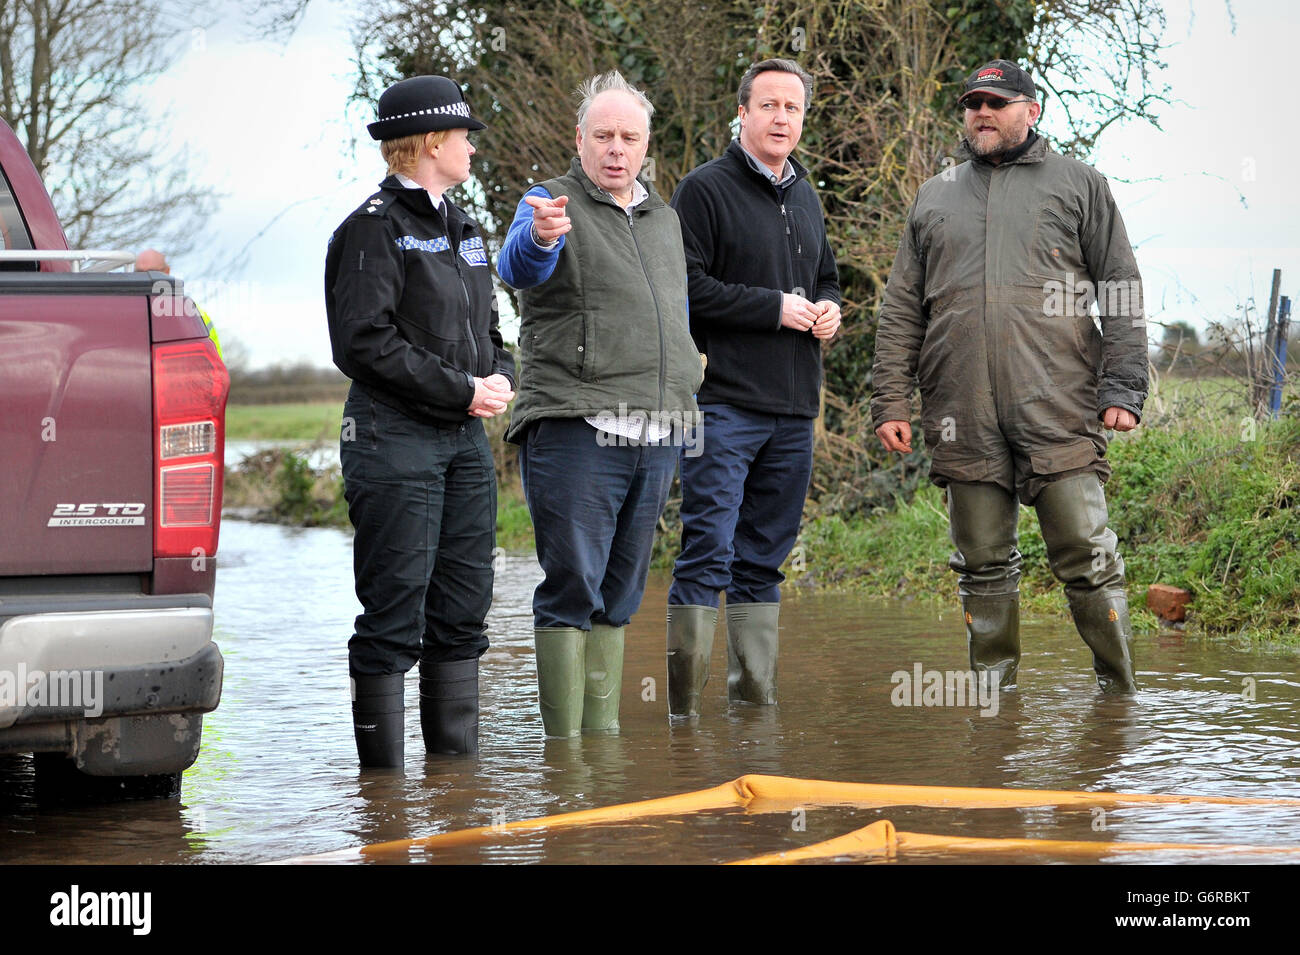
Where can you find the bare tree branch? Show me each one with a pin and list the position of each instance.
(70, 75)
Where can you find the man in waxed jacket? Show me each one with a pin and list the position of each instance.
(764, 297)
(989, 307)
(413, 322)
(605, 396)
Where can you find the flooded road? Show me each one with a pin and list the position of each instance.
(277, 774)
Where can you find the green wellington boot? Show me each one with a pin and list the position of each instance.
(1081, 549)
(752, 644)
(993, 634)
(561, 675)
(604, 678)
(690, 644)
(1102, 620)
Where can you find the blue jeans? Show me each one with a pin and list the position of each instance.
(423, 500)
(742, 499)
(594, 508)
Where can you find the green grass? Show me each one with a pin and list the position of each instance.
(514, 525)
(1212, 508)
(291, 422)
(1204, 505)
(1202, 497)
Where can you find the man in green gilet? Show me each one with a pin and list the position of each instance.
(605, 396)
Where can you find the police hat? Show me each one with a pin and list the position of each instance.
(422, 104)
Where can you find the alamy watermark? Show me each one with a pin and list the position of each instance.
(80, 907)
(635, 428)
(58, 689)
(1077, 297)
(174, 299)
(922, 687)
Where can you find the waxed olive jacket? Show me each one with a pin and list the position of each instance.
(989, 309)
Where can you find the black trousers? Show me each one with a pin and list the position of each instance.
(423, 500)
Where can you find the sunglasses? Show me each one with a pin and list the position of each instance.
(992, 102)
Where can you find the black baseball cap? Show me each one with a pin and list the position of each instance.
(422, 104)
(1000, 78)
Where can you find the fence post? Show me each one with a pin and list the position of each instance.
(1279, 350)
(1263, 370)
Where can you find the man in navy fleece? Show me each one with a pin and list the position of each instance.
(764, 295)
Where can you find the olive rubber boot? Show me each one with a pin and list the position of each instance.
(561, 678)
(449, 706)
(603, 657)
(379, 720)
(993, 635)
(690, 644)
(1102, 620)
(1081, 549)
(752, 644)
(982, 522)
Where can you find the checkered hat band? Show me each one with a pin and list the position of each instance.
(454, 109)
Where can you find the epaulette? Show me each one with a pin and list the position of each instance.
(376, 205)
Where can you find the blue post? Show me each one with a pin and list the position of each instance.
(1279, 361)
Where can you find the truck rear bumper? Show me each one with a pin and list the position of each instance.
(119, 689)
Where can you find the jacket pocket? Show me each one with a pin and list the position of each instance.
(926, 236)
(557, 344)
(1067, 456)
(586, 349)
(1054, 250)
(801, 238)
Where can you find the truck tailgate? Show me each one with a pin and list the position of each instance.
(76, 433)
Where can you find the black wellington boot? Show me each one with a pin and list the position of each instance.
(449, 706)
(379, 720)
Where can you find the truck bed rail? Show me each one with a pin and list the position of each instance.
(83, 260)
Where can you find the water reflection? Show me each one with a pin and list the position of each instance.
(277, 775)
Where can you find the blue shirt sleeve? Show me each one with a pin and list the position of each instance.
(522, 264)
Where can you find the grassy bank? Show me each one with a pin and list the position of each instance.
(1202, 498)
(1207, 505)
(280, 486)
(305, 421)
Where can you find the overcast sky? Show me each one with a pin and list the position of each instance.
(1211, 201)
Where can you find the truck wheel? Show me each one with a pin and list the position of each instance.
(58, 781)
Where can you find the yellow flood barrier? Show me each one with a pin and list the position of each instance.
(759, 794)
(880, 838)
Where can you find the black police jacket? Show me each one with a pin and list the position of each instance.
(411, 309)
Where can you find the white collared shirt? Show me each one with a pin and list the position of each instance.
(787, 173)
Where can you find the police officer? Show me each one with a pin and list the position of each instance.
(413, 322)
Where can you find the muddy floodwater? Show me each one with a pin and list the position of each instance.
(277, 774)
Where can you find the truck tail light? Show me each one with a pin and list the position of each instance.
(190, 386)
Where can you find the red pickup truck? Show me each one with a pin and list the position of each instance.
(112, 419)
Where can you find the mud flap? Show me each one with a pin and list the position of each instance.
(137, 745)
